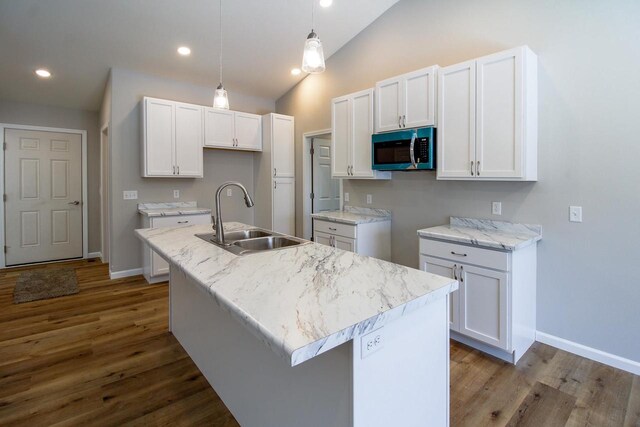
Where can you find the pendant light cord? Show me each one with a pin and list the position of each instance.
(311, 15)
(220, 57)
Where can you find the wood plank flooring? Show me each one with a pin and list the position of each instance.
(105, 357)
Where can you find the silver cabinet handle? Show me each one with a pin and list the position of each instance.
(183, 222)
(275, 184)
(178, 169)
(399, 121)
(404, 121)
(351, 170)
(275, 171)
(458, 254)
(412, 150)
(462, 274)
(455, 267)
(478, 168)
(333, 229)
(174, 170)
(471, 167)
(75, 202)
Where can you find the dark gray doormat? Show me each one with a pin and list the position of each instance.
(35, 285)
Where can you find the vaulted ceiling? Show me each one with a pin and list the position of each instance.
(80, 40)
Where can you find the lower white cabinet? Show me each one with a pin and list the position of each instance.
(370, 239)
(494, 308)
(284, 206)
(155, 268)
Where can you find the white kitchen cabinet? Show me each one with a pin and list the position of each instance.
(487, 118)
(171, 139)
(233, 130)
(274, 175)
(370, 239)
(352, 127)
(494, 309)
(155, 268)
(406, 101)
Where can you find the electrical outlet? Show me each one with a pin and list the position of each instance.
(371, 343)
(229, 192)
(346, 197)
(575, 213)
(369, 199)
(496, 208)
(176, 194)
(130, 195)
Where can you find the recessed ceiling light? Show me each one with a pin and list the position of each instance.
(41, 72)
(326, 3)
(295, 71)
(184, 51)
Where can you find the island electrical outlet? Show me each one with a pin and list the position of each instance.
(371, 343)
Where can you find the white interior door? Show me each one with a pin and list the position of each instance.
(43, 184)
(326, 190)
(361, 130)
(219, 128)
(340, 141)
(283, 149)
(189, 140)
(284, 206)
(249, 131)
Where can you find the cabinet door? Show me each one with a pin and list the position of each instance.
(219, 128)
(388, 104)
(322, 238)
(361, 130)
(446, 269)
(484, 305)
(159, 137)
(189, 140)
(282, 146)
(499, 109)
(340, 137)
(345, 243)
(248, 131)
(284, 218)
(419, 98)
(456, 120)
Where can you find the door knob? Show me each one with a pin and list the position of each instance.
(75, 202)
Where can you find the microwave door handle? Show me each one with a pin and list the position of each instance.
(412, 151)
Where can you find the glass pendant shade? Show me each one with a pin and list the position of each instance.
(220, 99)
(313, 56)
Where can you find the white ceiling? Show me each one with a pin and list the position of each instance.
(79, 40)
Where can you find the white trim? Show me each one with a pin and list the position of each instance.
(85, 201)
(125, 273)
(307, 137)
(589, 352)
(94, 255)
(105, 196)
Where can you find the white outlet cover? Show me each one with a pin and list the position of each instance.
(369, 199)
(496, 208)
(371, 343)
(346, 197)
(130, 194)
(176, 194)
(575, 213)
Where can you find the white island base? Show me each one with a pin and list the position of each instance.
(404, 383)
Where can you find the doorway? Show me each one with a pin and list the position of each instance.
(104, 194)
(44, 214)
(321, 192)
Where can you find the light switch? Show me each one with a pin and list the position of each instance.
(176, 194)
(496, 208)
(346, 197)
(575, 213)
(369, 199)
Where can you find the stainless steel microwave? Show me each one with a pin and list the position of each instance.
(411, 149)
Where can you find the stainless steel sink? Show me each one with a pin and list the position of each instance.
(244, 242)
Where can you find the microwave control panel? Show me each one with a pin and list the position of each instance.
(422, 150)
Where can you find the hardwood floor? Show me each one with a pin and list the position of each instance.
(105, 357)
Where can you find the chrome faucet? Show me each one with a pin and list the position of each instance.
(218, 219)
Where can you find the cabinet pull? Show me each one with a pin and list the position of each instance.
(478, 168)
(178, 169)
(471, 167)
(183, 222)
(275, 184)
(461, 274)
(456, 253)
(399, 121)
(275, 172)
(455, 267)
(404, 121)
(333, 229)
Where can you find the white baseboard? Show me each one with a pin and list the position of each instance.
(125, 273)
(590, 353)
(94, 255)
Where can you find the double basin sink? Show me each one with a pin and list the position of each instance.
(244, 242)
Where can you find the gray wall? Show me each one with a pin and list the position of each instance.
(40, 115)
(127, 90)
(589, 62)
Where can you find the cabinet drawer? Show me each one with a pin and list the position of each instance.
(336, 228)
(466, 254)
(173, 221)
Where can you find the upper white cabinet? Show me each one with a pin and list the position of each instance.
(232, 130)
(283, 150)
(172, 139)
(406, 101)
(487, 118)
(352, 127)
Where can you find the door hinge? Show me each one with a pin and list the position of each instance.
(312, 151)
(4, 197)
(312, 196)
(4, 146)
(5, 249)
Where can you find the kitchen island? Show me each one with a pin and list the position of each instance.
(310, 335)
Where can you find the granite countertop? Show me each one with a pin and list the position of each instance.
(171, 209)
(300, 301)
(486, 233)
(354, 215)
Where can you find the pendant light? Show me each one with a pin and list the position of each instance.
(313, 56)
(221, 99)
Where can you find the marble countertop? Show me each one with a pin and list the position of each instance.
(300, 301)
(485, 232)
(354, 215)
(171, 209)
